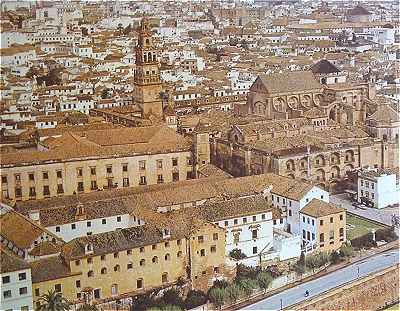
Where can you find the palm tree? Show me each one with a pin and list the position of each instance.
(53, 301)
(87, 307)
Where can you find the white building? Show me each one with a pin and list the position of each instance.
(379, 186)
(292, 199)
(15, 284)
(248, 224)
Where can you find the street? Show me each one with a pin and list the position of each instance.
(315, 287)
(380, 215)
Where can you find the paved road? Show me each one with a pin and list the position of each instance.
(381, 215)
(315, 287)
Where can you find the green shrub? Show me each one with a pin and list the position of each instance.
(247, 285)
(335, 257)
(346, 251)
(244, 272)
(172, 297)
(217, 296)
(233, 293)
(221, 283)
(194, 299)
(237, 254)
(317, 260)
(264, 280)
(386, 234)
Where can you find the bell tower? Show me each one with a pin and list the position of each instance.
(147, 82)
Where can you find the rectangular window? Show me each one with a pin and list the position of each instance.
(80, 186)
(22, 276)
(245, 220)
(263, 216)
(304, 219)
(5, 279)
(45, 175)
(331, 235)
(57, 288)
(125, 182)
(142, 180)
(3, 179)
(142, 165)
(46, 190)
(290, 212)
(341, 232)
(175, 176)
(125, 167)
(79, 172)
(159, 164)
(213, 249)
(37, 292)
(331, 220)
(174, 161)
(341, 217)
(202, 252)
(78, 283)
(274, 222)
(92, 171)
(103, 257)
(304, 234)
(109, 169)
(160, 179)
(235, 221)
(118, 218)
(18, 192)
(321, 222)
(254, 234)
(200, 239)
(7, 294)
(226, 223)
(93, 185)
(215, 236)
(60, 189)
(88, 224)
(32, 191)
(254, 218)
(139, 283)
(104, 221)
(254, 249)
(321, 238)
(31, 176)
(73, 226)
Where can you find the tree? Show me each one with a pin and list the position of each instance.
(194, 299)
(217, 296)
(335, 257)
(233, 292)
(264, 280)
(53, 301)
(247, 286)
(142, 302)
(172, 297)
(237, 254)
(165, 308)
(346, 251)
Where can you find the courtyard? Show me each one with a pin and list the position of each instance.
(357, 226)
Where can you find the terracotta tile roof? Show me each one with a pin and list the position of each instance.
(19, 229)
(49, 269)
(234, 208)
(384, 113)
(317, 208)
(294, 81)
(10, 262)
(45, 248)
(98, 209)
(139, 199)
(210, 170)
(103, 144)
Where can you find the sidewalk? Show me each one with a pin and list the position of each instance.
(329, 269)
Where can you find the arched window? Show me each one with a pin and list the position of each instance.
(103, 270)
(167, 257)
(142, 262)
(155, 259)
(147, 41)
(179, 254)
(117, 268)
(90, 274)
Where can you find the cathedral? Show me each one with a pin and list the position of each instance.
(291, 94)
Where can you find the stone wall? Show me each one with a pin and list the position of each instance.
(370, 293)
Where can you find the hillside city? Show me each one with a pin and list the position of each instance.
(199, 155)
